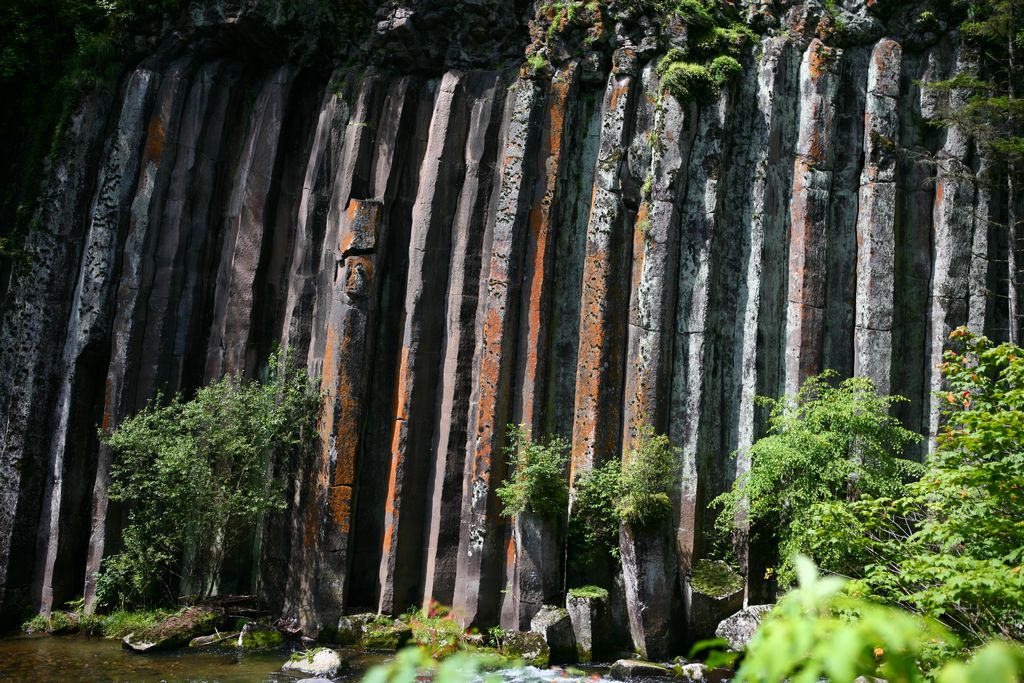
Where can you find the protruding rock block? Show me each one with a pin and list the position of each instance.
(556, 626)
(527, 646)
(634, 669)
(711, 592)
(322, 661)
(591, 622)
(649, 569)
(739, 628)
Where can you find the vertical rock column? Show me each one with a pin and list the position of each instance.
(347, 355)
(136, 278)
(876, 215)
(486, 91)
(599, 366)
(691, 395)
(760, 336)
(91, 313)
(648, 553)
(245, 231)
(34, 312)
(808, 213)
(534, 571)
(478, 580)
(412, 429)
(953, 226)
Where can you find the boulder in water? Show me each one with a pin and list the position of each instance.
(629, 669)
(555, 625)
(323, 661)
(176, 630)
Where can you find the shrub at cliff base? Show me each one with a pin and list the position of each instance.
(193, 476)
(951, 545)
(829, 442)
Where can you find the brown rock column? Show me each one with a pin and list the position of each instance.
(534, 572)
(412, 430)
(649, 562)
(875, 219)
(486, 91)
(596, 435)
(347, 356)
(479, 566)
(808, 214)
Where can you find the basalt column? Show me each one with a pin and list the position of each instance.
(877, 212)
(808, 214)
(469, 234)
(480, 562)
(412, 432)
(649, 563)
(533, 572)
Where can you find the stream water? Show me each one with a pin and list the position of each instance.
(81, 659)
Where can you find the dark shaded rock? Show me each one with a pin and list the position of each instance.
(629, 669)
(711, 593)
(350, 628)
(739, 628)
(555, 625)
(590, 624)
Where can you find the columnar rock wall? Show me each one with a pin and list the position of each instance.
(579, 253)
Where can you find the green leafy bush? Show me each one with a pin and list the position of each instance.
(650, 470)
(194, 475)
(594, 523)
(950, 545)
(538, 479)
(821, 631)
(826, 443)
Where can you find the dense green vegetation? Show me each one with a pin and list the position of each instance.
(935, 562)
(537, 480)
(649, 471)
(194, 476)
(826, 443)
(950, 545)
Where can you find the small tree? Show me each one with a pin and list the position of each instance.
(825, 443)
(538, 479)
(194, 476)
(649, 471)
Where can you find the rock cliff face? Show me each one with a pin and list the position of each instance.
(456, 249)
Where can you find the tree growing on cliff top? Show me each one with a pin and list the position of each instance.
(194, 475)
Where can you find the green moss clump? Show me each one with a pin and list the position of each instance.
(714, 578)
(261, 639)
(36, 624)
(121, 623)
(589, 592)
(687, 80)
(384, 634)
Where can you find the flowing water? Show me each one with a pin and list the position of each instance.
(81, 659)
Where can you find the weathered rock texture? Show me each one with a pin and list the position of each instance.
(452, 245)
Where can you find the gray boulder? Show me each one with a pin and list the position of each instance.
(739, 628)
(588, 612)
(527, 646)
(323, 661)
(554, 624)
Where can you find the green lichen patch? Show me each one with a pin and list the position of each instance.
(385, 634)
(714, 578)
